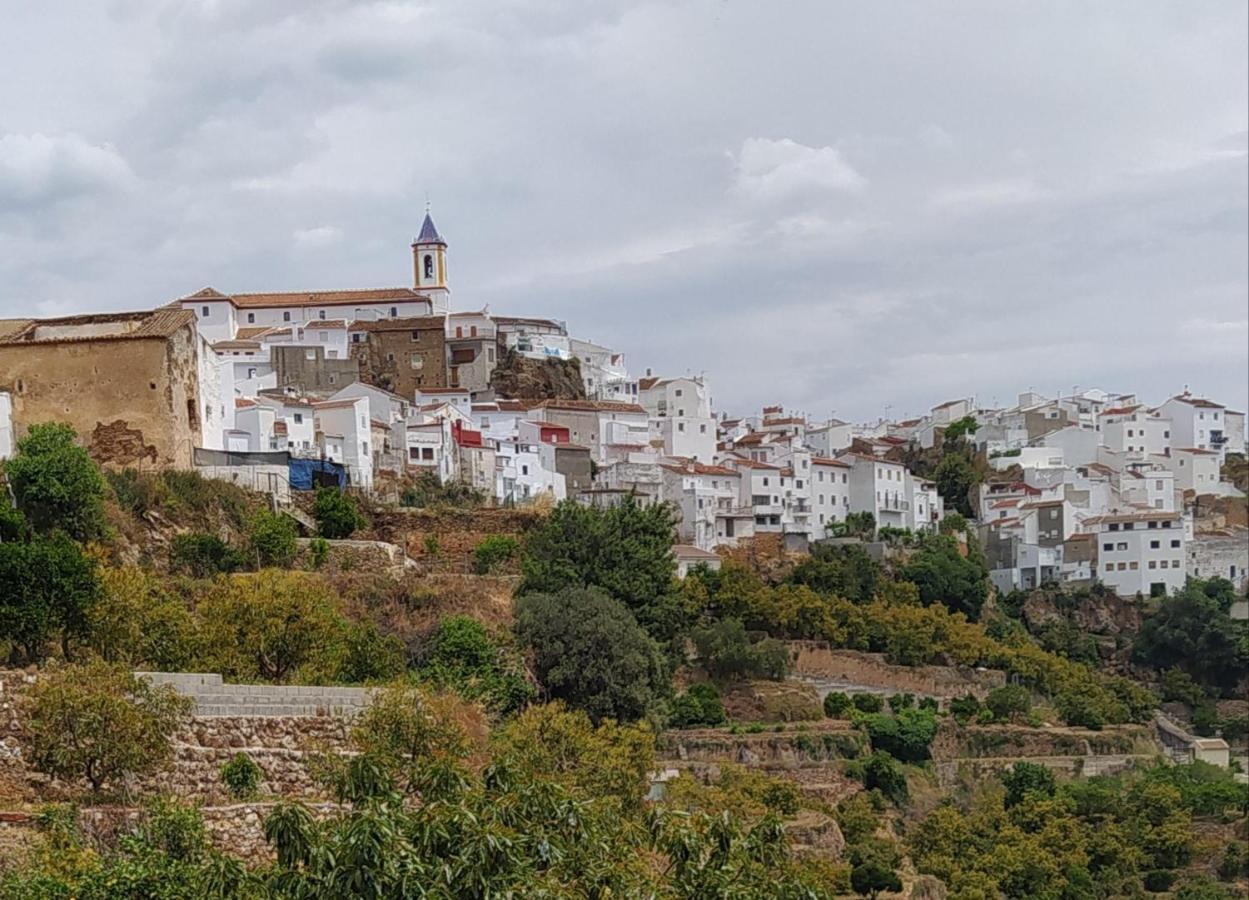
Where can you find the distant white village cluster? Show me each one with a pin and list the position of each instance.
(366, 387)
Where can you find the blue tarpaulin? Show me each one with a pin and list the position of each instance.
(309, 473)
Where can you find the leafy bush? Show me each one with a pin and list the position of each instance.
(726, 651)
(242, 776)
(589, 651)
(427, 490)
(172, 828)
(881, 772)
(137, 621)
(493, 551)
(906, 736)
(204, 555)
(462, 655)
(55, 483)
(318, 552)
(837, 704)
(945, 576)
(272, 540)
(1008, 701)
(121, 724)
(1026, 778)
(868, 703)
(844, 571)
(699, 705)
(336, 513)
(899, 702)
(965, 708)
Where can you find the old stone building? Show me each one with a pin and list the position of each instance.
(308, 369)
(126, 382)
(402, 355)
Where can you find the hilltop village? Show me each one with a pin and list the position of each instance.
(353, 593)
(368, 387)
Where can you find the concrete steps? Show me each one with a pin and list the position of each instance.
(215, 698)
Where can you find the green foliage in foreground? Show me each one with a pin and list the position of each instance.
(548, 807)
(55, 483)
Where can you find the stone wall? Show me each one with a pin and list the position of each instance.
(851, 670)
(1219, 554)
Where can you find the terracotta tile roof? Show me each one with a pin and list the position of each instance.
(236, 345)
(751, 464)
(689, 551)
(1195, 450)
(336, 404)
(309, 298)
(697, 468)
(408, 323)
(251, 331)
(822, 461)
(590, 406)
(243, 403)
(161, 323)
(1199, 402)
(1142, 516)
(1120, 410)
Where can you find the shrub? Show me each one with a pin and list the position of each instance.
(906, 736)
(99, 722)
(868, 703)
(204, 555)
(965, 708)
(899, 702)
(48, 587)
(837, 704)
(318, 552)
(929, 703)
(726, 651)
(589, 651)
(699, 705)
(271, 539)
(1026, 778)
(1158, 881)
(1008, 701)
(55, 483)
(462, 655)
(945, 576)
(336, 513)
(241, 776)
(493, 551)
(881, 772)
(172, 828)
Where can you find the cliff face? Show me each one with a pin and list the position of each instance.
(519, 378)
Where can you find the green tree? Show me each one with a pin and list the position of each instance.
(100, 722)
(960, 428)
(843, 571)
(269, 624)
(336, 513)
(56, 484)
(837, 704)
(1008, 701)
(588, 650)
(1189, 630)
(875, 864)
(944, 576)
(462, 655)
(137, 621)
(905, 736)
(625, 550)
(271, 539)
(48, 587)
(1025, 778)
(881, 772)
(726, 651)
(956, 476)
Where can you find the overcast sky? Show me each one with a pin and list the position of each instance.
(838, 206)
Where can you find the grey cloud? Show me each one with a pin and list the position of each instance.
(832, 205)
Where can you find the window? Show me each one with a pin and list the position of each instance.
(459, 331)
(1108, 547)
(299, 418)
(1153, 524)
(1154, 545)
(765, 481)
(1157, 485)
(251, 373)
(1153, 564)
(310, 353)
(680, 426)
(203, 310)
(1164, 564)
(524, 470)
(1122, 567)
(490, 354)
(429, 266)
(1110, 567)
(355, 337)
(1122, 545)
(702, 429)
(1175, 543)
(1114, 526)
(394, 312)
(321, 315)
(1132, 566)
(286, 316)
(390, 357)
(677, 392)
(427, 453)
(251, 318)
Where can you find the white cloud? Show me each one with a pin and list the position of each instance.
(315, 238)
(988, 195)
(36, 168)
(770, 169)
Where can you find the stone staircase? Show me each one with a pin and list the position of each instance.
(213, 697)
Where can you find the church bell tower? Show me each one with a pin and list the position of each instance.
(429, 262)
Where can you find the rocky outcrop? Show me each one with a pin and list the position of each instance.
(519, 378)
(851, 671)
